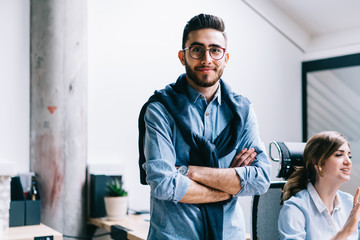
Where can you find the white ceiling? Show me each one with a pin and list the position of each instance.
(313, 25)
(319, 17)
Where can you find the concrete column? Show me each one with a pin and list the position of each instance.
(58, 110)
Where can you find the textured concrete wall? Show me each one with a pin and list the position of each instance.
(58, 110)
(5, 202)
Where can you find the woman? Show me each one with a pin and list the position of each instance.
(315, 208)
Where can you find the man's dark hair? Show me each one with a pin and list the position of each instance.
(203, 21)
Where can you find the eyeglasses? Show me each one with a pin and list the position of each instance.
(198, 52)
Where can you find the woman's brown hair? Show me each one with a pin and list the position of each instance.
(317, 150)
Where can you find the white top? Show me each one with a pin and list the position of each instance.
(304, 216)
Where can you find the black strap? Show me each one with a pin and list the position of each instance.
(285, 161)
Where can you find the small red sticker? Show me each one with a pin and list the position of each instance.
(52, 109)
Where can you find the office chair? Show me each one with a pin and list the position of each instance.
(289, 155)
(265, 212)
(266, 207)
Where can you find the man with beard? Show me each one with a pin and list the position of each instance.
(199, 145)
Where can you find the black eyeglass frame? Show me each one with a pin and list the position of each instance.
(206, 49)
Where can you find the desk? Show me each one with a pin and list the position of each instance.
(138, 225)
(29, 232)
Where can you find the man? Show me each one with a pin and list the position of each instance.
(199, 145)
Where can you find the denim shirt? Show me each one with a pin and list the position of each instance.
(304, 216)
(165, 148)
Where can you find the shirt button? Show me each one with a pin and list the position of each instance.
(207, 114)
(201, 96)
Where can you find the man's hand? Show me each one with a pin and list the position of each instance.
(244, 158)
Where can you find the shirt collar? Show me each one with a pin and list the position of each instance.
(337, 203)
(195, 95)
(317, 200)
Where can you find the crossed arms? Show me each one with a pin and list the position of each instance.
(203, 184)
(216, 184)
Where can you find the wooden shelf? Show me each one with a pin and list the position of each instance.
(29, 232)
(138, 225)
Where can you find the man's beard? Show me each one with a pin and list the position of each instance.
(198, 81)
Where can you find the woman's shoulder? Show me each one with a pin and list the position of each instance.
(295, 207)
(300, 199)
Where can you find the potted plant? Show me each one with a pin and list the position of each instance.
(116, 201)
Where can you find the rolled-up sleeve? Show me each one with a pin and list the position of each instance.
(255, 179)
(161, 173)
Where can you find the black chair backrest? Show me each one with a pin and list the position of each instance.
(289, 155)
(265, 212)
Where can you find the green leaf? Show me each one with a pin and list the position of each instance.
(114, 189)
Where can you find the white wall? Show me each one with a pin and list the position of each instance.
(133, 49)
(15, 83)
